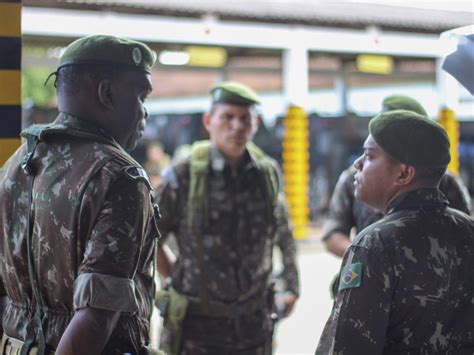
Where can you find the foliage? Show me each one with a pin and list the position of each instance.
(33, 89)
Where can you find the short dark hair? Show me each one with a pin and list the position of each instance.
(429, 175)
(72, 79)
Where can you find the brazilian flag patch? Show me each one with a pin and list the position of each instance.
(351, 276)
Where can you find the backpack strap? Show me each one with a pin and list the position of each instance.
(35, 326)
(200, 159)
(197, 200)
(267, 166)
(270, 182)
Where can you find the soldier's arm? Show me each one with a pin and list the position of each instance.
(287, 246)
(88, 332)
(165, 261)
(105, 286)
(456, 192)
(166, 197)
(340, 220)
(337, 243)
(3, 306)
(360, 318)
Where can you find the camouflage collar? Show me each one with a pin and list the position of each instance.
(424, 199)
(79, 124)
(218, 163)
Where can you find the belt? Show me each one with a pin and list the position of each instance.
(225, 310)
(12, 346)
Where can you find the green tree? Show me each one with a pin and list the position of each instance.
(33, 88)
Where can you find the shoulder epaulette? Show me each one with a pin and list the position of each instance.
(137, 173)
(41, 132)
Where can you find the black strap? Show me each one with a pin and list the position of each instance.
(35, 326)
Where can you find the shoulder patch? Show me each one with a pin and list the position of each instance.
(351, 276)
(136, 173)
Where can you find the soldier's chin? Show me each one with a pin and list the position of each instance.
(357, 194)
(134, 140)
(132, 144)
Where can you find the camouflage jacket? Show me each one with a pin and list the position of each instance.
(406, 284)
(345, 211)
(238, 239)
(93, 235)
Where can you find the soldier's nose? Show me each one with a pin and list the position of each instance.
(358, 163)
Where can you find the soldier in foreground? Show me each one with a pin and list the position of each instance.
(77, 222)
(224, 206)
(345, 212)
(405, 283)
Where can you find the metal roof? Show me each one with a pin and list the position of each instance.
(309, 12)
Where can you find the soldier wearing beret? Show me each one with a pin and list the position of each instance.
(346, 212)
(77, 222)
(224, 206)
(406, 282)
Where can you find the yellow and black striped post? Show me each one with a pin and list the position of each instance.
(447, 119)
(296, 169)
(10, 77)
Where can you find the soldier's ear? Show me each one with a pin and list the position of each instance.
(206, 120)
(406, 175)
(104, 91)
(256, 122)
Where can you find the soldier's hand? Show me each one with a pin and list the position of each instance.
(289, 301)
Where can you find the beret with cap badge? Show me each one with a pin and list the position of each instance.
(411, 138)
(230, 92)
(402, 102)
(108, 50)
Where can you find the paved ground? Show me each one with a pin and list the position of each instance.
(299, 334)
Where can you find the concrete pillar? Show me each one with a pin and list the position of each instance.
(296, 75)
(296, 137)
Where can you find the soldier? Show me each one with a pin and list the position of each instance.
(223, 203)
(406, 284)
(345, 212)
(77, 221)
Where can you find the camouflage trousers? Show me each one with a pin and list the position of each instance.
(247, 335)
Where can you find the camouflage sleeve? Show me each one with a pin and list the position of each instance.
(287, 245)
(360, 316)
(114, 247)
(456, 192)
(340, 218)
(166, 197)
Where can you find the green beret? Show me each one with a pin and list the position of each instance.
(108, 50)
(401, 102)
(411, 138)
(234, 93)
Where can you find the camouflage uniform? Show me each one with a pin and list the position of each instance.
(406, 284)
(237, 256)
(93, 236)
(346, 211)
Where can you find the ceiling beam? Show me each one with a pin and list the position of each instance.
(212, 31)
